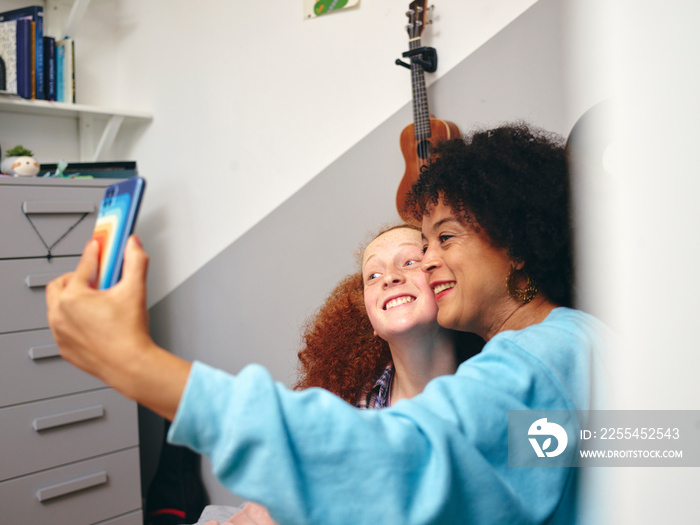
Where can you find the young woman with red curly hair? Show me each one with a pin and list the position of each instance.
(376, 339)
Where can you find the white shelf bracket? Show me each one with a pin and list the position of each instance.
(92, 150)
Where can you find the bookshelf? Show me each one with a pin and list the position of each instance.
(94, 138)
(97, 127)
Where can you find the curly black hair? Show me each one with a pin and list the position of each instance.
(511, 181)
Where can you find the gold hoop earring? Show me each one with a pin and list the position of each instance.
(521, 294)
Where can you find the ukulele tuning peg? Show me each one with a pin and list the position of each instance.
(419, 9)
(431, 7)
(409, 13)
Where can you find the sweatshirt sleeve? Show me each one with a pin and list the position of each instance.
(441, 457)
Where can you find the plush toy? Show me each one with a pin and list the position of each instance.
(20, 163)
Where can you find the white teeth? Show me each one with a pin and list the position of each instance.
(442, 287)
(399, 301)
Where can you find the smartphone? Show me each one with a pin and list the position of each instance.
(115, 222)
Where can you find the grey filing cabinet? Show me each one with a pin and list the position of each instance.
(69, 451)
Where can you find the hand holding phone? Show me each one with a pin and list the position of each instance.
(115, 223)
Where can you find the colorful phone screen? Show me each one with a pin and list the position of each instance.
(115, 222)
(110, 232)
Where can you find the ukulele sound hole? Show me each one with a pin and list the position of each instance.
(423, 149)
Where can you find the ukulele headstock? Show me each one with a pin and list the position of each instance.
(417, 18)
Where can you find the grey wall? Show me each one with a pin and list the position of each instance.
(248, 303)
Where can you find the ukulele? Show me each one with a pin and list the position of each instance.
(418, 138)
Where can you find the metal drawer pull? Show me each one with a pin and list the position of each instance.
(68, 418)
(40, 280)
(68, 487)
(42, 352)
(58, 207)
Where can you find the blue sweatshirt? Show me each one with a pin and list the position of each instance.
(440, 457)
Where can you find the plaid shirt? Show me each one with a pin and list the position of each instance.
(377, 395)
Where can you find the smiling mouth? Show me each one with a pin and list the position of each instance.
(399, 301)
(443, 286)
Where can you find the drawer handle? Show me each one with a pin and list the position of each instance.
(40, 280)
(42, 352)
(32, 207)
(68, 487)
(68, 418)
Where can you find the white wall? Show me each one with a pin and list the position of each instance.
(250, 101)
(645, 215)
(656, 66)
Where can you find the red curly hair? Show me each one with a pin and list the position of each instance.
(341, 352)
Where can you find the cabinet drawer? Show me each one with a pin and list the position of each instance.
(54, 211)
(23, 287)
(81, 493)
(32, 369)
(49, 433)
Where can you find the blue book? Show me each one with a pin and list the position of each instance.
(35, 13)
(68, 69)
(60, 52)
(50, 68)
(24, 58)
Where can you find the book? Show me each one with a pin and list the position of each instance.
(68, 69)
(60, 51)
(32, 57)
(72, 70)
(8, 57)
(35, 13)
(49, 68)
(15, 57)
(24, 58)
